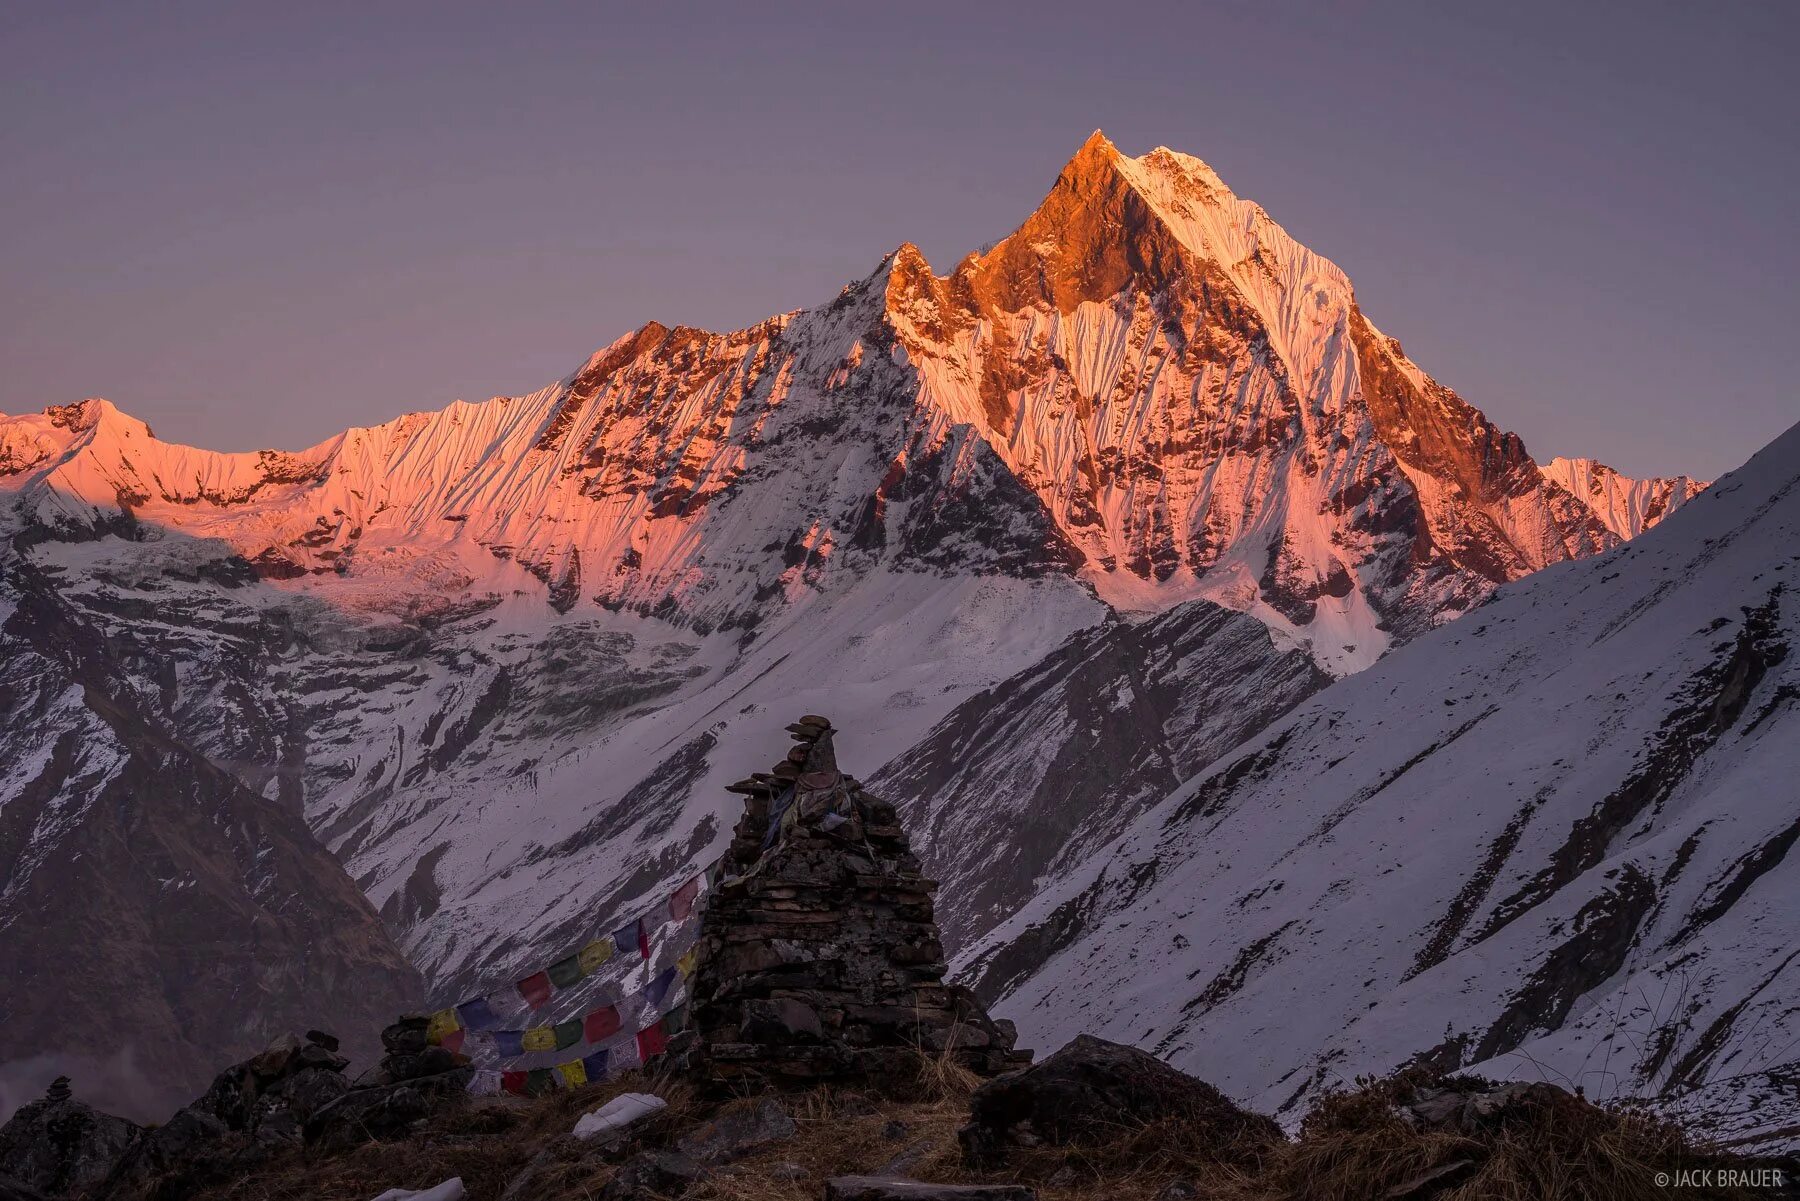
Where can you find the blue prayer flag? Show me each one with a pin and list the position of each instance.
(658, 989)
(477, 1015)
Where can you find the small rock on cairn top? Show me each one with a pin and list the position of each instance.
(819, 957)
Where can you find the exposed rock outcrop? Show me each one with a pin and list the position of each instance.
(413, 1081)
(1091, 1089)
(252, 1110)
(60, 1145)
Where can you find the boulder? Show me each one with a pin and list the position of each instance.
(413, 1065)
(274, 1092)
(61, 1145)
(651, 1176)
(408, 1036)
(190, 1151)
(413, 1080)
(12, 1190)
(736, 1133)
(781, 1020)
(892, 1188)
(731, 1135)
(1087, 1091)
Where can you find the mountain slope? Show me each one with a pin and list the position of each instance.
(1027, 777)
(502, 656)
(1554, 837)
(156, 917)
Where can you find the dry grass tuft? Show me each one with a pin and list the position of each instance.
(1557, 1147)
(941, 1078)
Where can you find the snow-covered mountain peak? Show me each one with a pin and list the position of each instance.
(1149, 382)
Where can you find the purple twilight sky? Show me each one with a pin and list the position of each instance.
(255, 224)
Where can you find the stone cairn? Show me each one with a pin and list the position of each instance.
(818, 953)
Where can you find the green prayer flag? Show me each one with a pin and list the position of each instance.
(568, 1033)
(539, 1081)
(565, 972)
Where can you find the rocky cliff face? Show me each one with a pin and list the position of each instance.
(491, 653)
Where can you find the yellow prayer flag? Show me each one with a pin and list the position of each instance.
(443, 1025)
(574, 1073)
(595, 954)
(540, 1038)
(685, 965)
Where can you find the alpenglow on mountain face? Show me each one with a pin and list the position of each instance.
(1002, 524)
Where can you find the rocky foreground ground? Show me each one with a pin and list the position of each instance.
(1094, 1121)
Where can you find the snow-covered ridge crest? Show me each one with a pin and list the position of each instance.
(1205, 411)
(1627, 506)
(1149, 383)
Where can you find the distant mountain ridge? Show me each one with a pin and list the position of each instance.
(1627, 506)
(502, 656)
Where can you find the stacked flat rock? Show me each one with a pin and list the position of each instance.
(413, 1080)
(819, 957)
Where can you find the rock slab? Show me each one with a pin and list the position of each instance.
(890, 1188)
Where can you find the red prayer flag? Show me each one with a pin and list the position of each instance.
(600, 1024)
(453, 1041)
(652, 1040)
(535, 989)
(513, 1082)
(682, 902)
